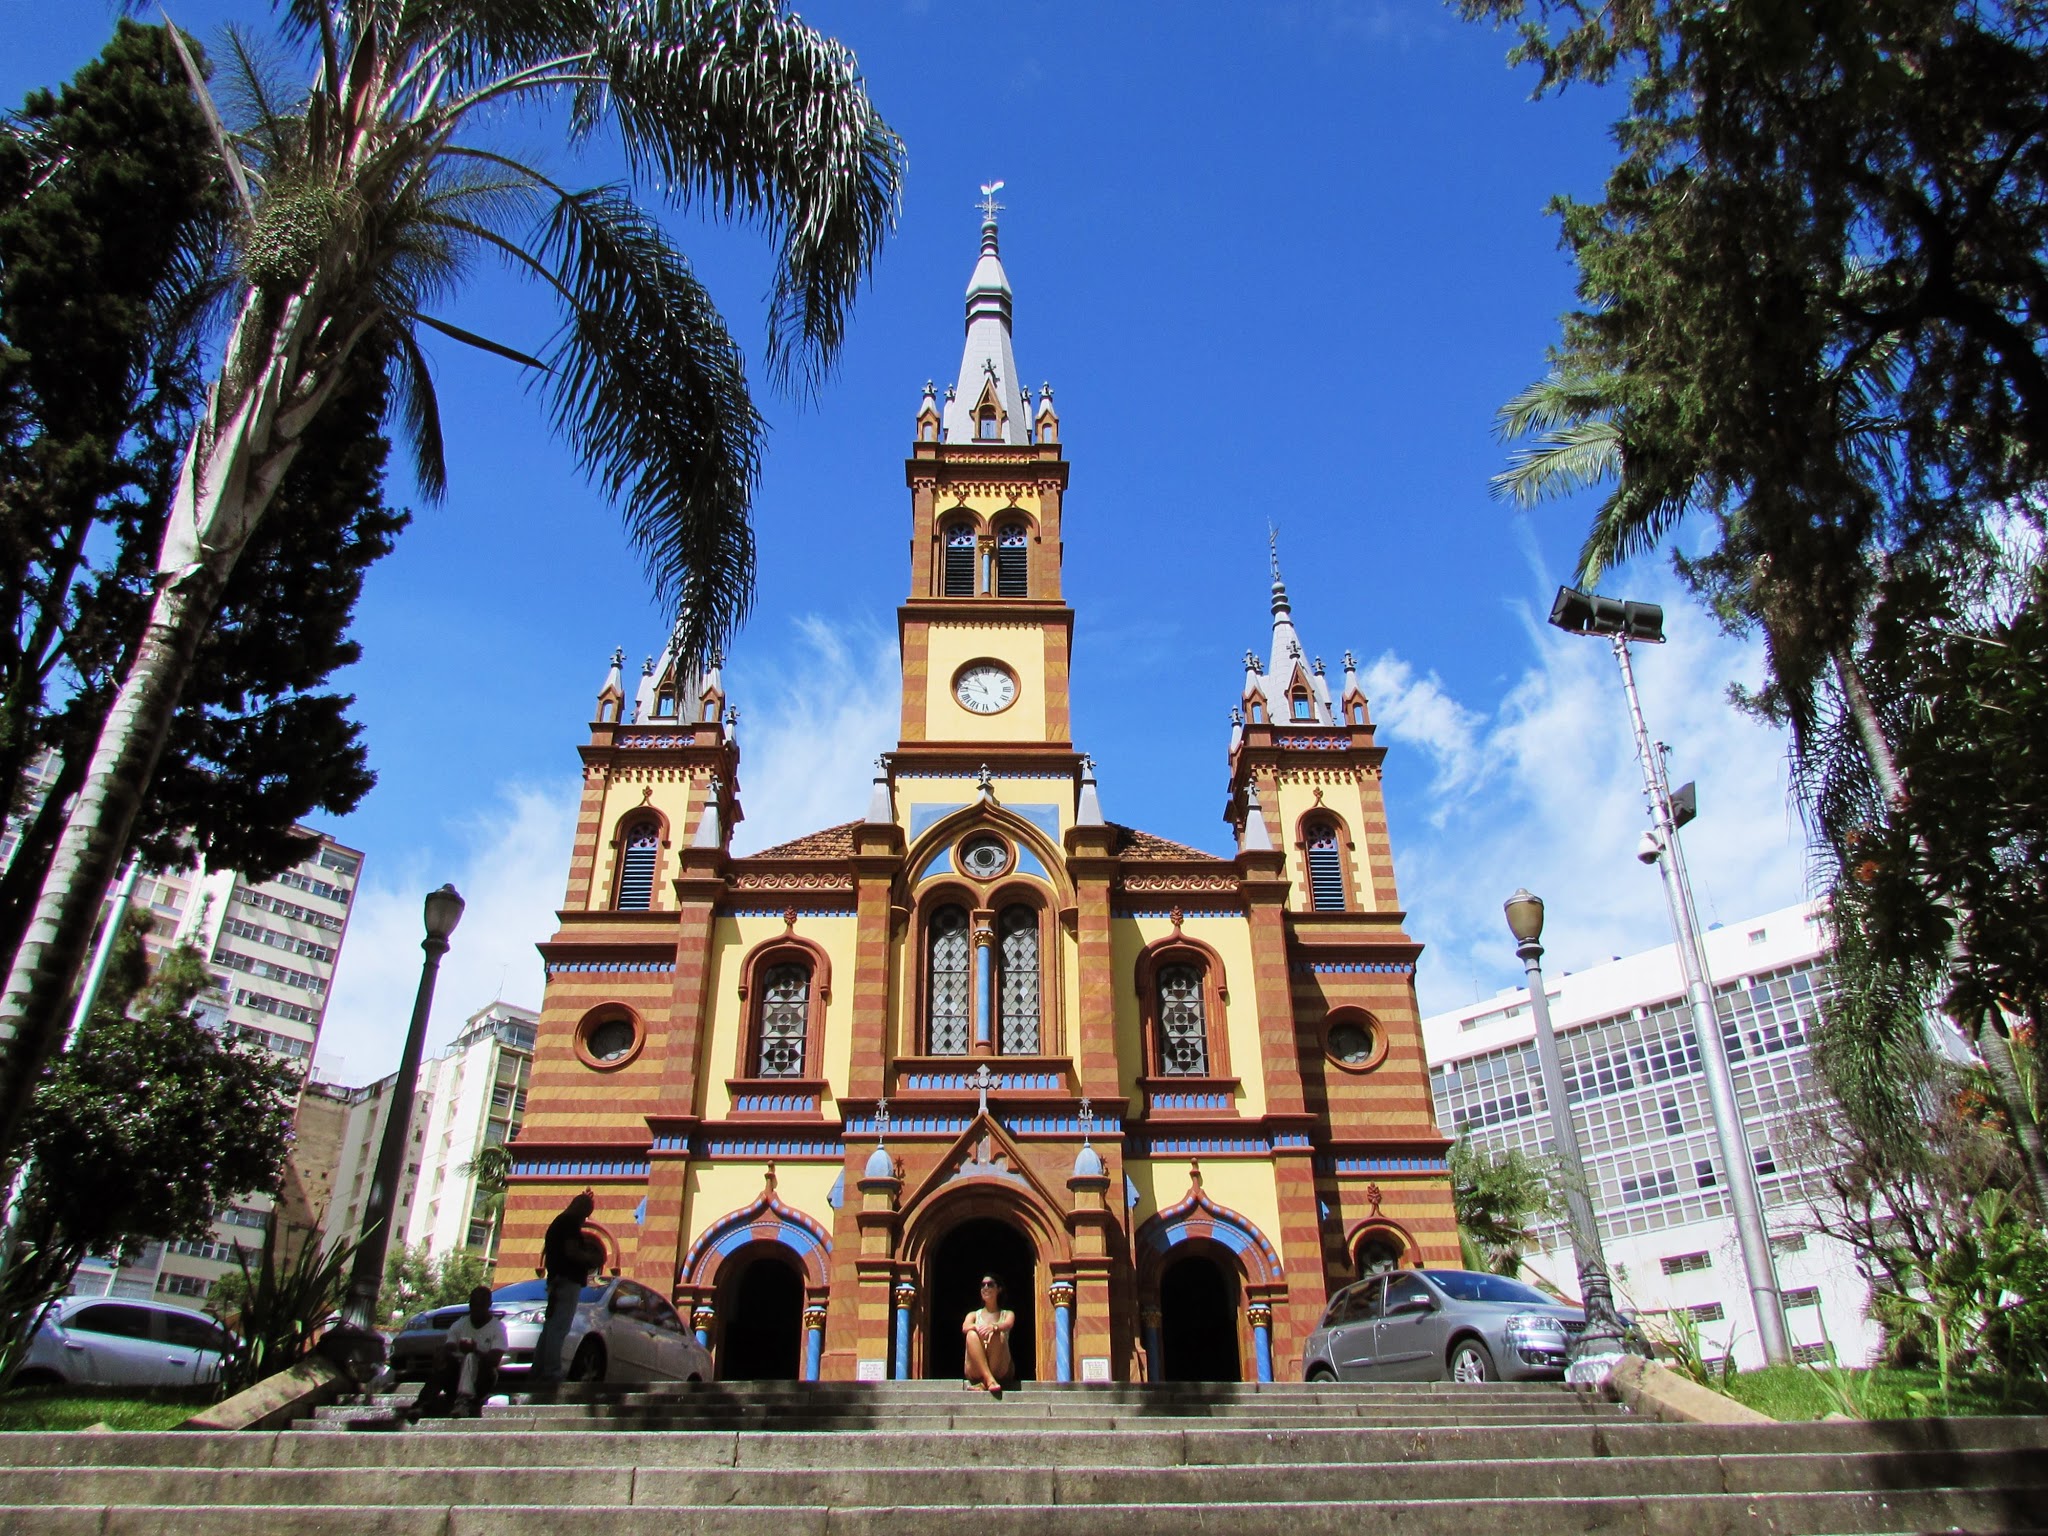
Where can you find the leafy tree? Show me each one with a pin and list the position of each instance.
(141, 1131)
(97, 389)
(363, 198)
(1810, 314)
(1498, 1198)
(415, 1280)
(491, 1168)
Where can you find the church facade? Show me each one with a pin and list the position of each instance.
(1172, 1100)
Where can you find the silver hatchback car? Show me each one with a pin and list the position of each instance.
(1441, 1324)
(96, 1341)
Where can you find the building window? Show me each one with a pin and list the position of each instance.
(1018, 929)
(636, 865)
(986, 425)
(1304, 708)
(959, 573)
(664, 706)
(951, 984)
(1685, 1263)
(785, 1020)
(1325, 868)
(1703, 1172)
(1013, 550)
(1708, 1312)
(1183, 1027)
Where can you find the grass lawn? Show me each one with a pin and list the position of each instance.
(75, 1408)
(1796, 1392)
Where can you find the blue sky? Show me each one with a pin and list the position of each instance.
(1279, 261)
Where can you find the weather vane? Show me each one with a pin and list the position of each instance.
(988, 205)
(1273, 546)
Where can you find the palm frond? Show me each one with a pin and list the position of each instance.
(418, 411)
(651, 390)
(1574, 457)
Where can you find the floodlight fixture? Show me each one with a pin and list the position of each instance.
(1584, 613)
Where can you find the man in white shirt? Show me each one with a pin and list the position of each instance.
(468, 1368)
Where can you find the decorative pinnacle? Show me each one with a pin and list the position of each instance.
(618, 656)
(881, 1120)
(1236, 715)
(1350, 662)
(1251, 662)
(1319, 667)
(1273, 548)
(985, 781)
(647, 667)
(1087, 1116)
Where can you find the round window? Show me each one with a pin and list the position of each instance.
(984, 857)
(1350, 1043)
(611, 1040)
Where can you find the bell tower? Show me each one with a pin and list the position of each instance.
(985, 633)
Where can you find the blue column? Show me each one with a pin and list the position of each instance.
(1154, 1362)
(906, 1293)
(1061, 1295)
(814, 1341)
(1262, 1337)
(701, 1320)
(984, 987)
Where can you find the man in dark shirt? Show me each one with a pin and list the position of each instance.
(566, 1256)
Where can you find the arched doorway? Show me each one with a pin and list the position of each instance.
(980, 1246)
(761, 1317)
(1198, 1321)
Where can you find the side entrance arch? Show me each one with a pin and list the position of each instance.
(760, 1308)
(980, 1245)
(1198, 1313)
(1208, 1283)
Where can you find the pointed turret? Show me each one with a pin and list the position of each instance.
(928, 414)
(1048, 420)
(611, 698)
(1088, 813)
(987, 405)
(1288, 690)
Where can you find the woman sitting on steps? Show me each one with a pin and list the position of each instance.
(988, 1340)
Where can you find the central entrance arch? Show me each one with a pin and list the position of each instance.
(1198, 1321)
(980, 1246)
(761, 1316)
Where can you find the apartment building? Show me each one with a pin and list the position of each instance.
(1639, 1100)
(470, 1095)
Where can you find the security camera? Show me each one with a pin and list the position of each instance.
(1649, 850)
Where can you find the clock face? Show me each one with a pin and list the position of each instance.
(985, 688)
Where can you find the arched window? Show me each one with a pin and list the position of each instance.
(1183, 1026)
(1013, 551)
(987, 426)
(785, 1020)
(1325, 868)
(952, 983)
(1304, 707)
(959, 575)
(664, 705)
(1257, 714)
(1018, 928)
(642, 843)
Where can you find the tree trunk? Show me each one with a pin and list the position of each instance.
(1984, 1034)
(23, 877)
(94, 839)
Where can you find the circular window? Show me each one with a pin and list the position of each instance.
(984, 857)
(1354, 1042)
(610, 1041)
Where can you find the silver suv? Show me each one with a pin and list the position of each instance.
(1441, 1324)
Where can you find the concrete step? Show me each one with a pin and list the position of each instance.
(1787, 1514)
(2022, 1473)
(465, 1443)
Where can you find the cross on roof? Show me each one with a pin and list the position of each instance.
(981, 1081)
(1087, 1120)
(988, 205)
(881, 1120)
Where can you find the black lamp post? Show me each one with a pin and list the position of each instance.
(1603, 1333)
(443, 912)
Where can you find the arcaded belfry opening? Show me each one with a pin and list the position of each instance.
(981, 1245)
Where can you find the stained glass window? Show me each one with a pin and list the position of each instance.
(1183, 1032)
(785, 1020)
(952, 982)
(1019, 931)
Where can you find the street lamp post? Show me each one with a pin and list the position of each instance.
(1581, 613)
(1602, 1337)
(443, 912)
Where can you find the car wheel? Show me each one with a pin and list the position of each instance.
(589, 1362)
(1321, 1373)
(1471, 1362)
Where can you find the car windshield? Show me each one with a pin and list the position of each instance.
(537, 1290)
(1464, 1285)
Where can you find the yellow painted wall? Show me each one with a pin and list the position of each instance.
(1297, 799)
(662, 787)
(1054, 790)
(732, 939)
(1246, 1185)
(1019, 645)
(1230, 938)
(716, 1190)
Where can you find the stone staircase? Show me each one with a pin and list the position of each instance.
(912, 1457)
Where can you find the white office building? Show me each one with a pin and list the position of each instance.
(1632, 1073)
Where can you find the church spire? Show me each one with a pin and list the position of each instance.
(1293, 690)
(987, 405)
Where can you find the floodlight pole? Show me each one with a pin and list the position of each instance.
(1737, 1166)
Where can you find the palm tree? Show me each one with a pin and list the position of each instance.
(363, 199)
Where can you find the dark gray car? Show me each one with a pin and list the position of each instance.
(1438, 1325)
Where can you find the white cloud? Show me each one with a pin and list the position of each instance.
(512, 871)
(811, 729)
(1543, 790)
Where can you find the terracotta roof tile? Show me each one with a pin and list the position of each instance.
(831, 843)
(1133, 844)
